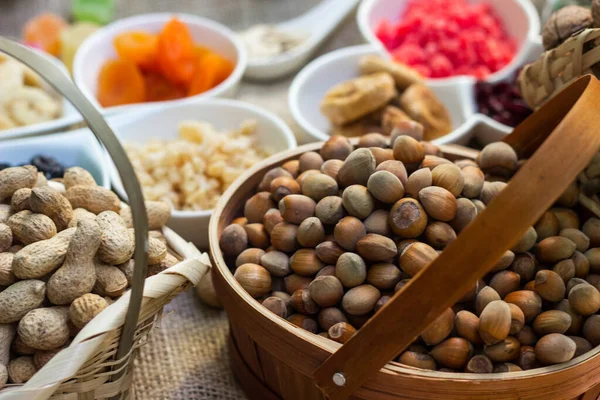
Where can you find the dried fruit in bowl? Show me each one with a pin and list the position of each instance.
(176, 49)
(159, 88)
(422, 105)
(44, 32)
(211, 70)
(141, 48)
(120, 82)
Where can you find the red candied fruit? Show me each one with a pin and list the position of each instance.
(442, 38)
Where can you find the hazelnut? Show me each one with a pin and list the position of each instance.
(330, 210)
(304, 322)
(585, 299)
(240, 221)
(576, 318)
(257, 205)
(283, 186)
(491, 190)
(302, 302)
(554, 348)
(348, 232)
(407, 218)
(438, 202)
(295, 282)
(593, 257)
(526, 242)
(527, 336)
(400, 285)
(453, 353)
(570, 196)
(277, 306)
(591, 228)
(439, 329)
(311, 232)
(385, 187)
(326, 291)
(330, 316)
(432, 161)
(377, 223)
(351, 270)
(582, 265)
(552, 321)
(303, 176)
(591, 329)
(567, 218)
(594, 280)
(383, 276)
(292, 167)
(506, 367)
(525, 265)
(571, 283)
(396, 168)
(582, 346)
(276, 262)
(305, 262)
(465, 213)
(310, 160)
(296, 208)
(403, 244)
(527, 360)
(357, 201)
(381, 155)
(504, 282)
(449, 177)
(265, 184)
(381, 302)
(439, 235)
(284, 237)
(554, 248)
(517, 319)
(418, 180)
(408, 150)
(375, 247)
(549, 285)
(547, 226)
(357, 168)
(328, 270)
(479, 205)
(564, 23)
(565, 269)
(373, 140)
(417, 360)
(504, 262)
(252, 255)
(341, 332)
(360, 300)
(257, 235)
(332, 168)
(254, 279)
(336, 148)
(416, 257)
(529, 302)
(485, 296)
(407, 128)
(494, 322)
(431, 149)
(271, 218)
(498, 158)
(506, 350)
(479, 364)
(329, 252)
(466, 325)
(233, 240)
(473, 181)
(318, 186)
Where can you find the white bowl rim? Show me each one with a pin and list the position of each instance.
(131, 22)
(126, 119)
(517, 61)
(344, 52)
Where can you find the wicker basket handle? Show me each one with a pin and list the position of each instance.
(62, 84)
(568, 135)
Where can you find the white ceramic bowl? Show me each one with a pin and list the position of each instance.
(98, 48)
(75, 148)
(162, 123)
(519, 17)
(69, 114)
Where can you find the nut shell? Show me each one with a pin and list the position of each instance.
(360, 300)
(554, 348)
(438, 202)
(45, 328)
(407, 218)
(495, 322)
(254, 279)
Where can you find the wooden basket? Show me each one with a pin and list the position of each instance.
(98, 364)
(559, 67)
(275, 359)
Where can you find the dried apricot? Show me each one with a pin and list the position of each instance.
(120, 82)
(44, 32)
(211, 70)
(176, 52)
(141, 48)
(159, 88)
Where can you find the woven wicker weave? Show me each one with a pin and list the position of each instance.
(559, 67)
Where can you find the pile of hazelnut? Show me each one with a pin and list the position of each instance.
(328, 238)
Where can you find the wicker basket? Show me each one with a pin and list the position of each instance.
(98, 364)
(274, 359)
(559, 67)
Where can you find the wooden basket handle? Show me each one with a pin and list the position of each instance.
(566, 134)
(59, 81)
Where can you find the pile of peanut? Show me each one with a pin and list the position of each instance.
(329, 237)
(65, 255)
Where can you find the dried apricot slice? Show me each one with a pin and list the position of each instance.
(211, 70)
(176, 52)
(120, 82)
(44, 32)
(141, 48)
(159, 88)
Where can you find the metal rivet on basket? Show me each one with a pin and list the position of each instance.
(339, 379)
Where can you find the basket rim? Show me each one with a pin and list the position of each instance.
(328, 347)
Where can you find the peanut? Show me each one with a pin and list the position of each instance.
(40, 258)
(45, 328)
(127, 269)
(77, 275)
(41, 357)
(28, 227)
(158, 213)
(20, 200)
(7, 277)
(157, 251)
(21, 369)
(20, 298)
(85, 308)
(41, 180)
(110, 280)
(5, 237)
(51, 203)
(80, 213)
(117, 243)
(95, 199)
(15, 178)
(7, 334)
(21, 348)
(5, 212)
(77, 176)
(167, 263)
